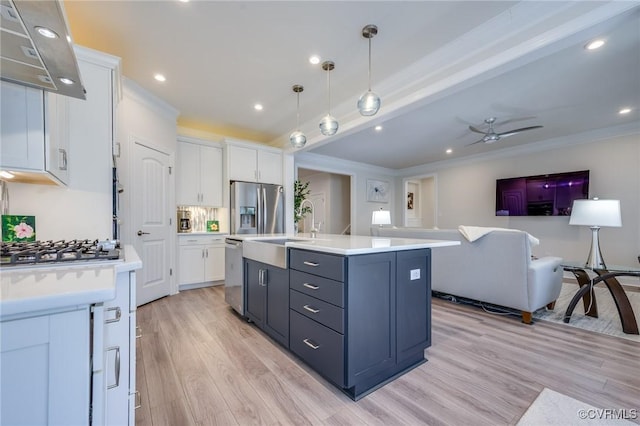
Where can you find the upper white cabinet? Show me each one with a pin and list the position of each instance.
(34, 133)
(254, 163)
(198, 175)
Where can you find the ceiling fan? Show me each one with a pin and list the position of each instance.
(490, 136)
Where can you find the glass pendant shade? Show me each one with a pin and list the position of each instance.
(369, 102)
(297, 138)
(328, 125)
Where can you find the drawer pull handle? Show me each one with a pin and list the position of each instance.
(310, 309)
(138, 332)
(137, 401)
(311, 286)
(117, 316)
(311, 345)
(116, 365)
(314, 264)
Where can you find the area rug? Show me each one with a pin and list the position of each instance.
(608, 321)
(553, 408)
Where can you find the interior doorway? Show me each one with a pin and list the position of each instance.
(331, 197)
(420, 202)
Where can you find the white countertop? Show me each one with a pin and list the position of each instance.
(44, 287)
(349, 244)
(206, 233)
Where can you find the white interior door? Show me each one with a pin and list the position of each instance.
(151, 223)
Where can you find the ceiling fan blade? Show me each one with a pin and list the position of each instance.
(473, 143)
(475, 129)
(516, 131)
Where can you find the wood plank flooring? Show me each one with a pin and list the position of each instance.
(198, 363)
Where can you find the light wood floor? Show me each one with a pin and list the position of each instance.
(199, 363)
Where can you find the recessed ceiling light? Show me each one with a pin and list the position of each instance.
(315, 59)
(377, 128)
(183, 1)
(449, 151)
(258, 107)
(624, 111)
(46, 32)
(160, 77)
(595, 44)
(66, 80)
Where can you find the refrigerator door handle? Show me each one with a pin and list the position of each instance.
(260, 222)
(265, 219)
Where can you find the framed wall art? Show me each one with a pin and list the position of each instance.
(377, 191)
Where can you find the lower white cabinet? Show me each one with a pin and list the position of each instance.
(200, 259)
(46, 370)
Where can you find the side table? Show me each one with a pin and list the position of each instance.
(608, 276)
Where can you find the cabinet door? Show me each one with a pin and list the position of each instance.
(255, 291)
(191, 264)
(211, 176)
(22, 129)
(413, 295)
(188, 174)
(371, 326)
(269, 167)
(277, 304)
(57, 136)
(46, 369)
(242, 163)
(214, 262)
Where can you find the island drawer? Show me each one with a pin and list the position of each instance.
(321, 264)
(322, 312)
(321, 288)
(319, 346)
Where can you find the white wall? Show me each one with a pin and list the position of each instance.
(334, 189)
(466, 195)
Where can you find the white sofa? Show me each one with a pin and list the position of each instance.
(496, 268)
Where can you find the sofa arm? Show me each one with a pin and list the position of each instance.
(544, 278)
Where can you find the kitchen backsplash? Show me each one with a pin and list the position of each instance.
(200, 216)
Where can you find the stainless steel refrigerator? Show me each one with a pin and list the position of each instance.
(256, 208)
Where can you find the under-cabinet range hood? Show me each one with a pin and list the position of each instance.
(36, 49)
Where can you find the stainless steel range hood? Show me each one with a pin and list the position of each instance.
(33, 59)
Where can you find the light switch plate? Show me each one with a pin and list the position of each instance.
(415, 274)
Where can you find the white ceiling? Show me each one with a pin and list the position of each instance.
(438, 67)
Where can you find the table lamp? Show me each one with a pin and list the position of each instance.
(381, 217)
(596, 213)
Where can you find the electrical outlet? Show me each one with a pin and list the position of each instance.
(415, 274)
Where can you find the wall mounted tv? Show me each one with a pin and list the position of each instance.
(542, 195)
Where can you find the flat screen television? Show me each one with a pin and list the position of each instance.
(542, 195)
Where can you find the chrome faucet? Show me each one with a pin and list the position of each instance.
(313, 231)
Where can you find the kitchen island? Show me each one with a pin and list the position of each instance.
(356, 309)
(68, 341)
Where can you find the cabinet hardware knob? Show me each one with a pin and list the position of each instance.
(310, 309)
(311, 286)
(314, 264)
(310, 344)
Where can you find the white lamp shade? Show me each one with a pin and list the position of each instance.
(596, 213)
(381, 217)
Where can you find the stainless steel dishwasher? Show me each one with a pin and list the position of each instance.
(234, 275)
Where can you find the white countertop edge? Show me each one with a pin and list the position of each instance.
(201, 233)
(131, 260)
(367, 250)
(35, 304)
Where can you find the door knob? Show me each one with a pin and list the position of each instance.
(142, 233)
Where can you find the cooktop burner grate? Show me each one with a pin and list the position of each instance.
(39, 252)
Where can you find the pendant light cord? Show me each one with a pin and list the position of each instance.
(329, 88)
(298, 112)
(369, 63)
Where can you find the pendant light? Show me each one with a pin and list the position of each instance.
(369, 102)
(297, 138)
(328, 124)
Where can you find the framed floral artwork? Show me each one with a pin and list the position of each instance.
(377, 191)
(18, 228)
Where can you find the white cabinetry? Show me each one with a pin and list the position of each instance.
(198, 175)
(34, 134)
(201, 259)
(46, 369)
(252, 163)
(120, 352)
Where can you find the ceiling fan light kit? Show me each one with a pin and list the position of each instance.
(490, 136)
(328, 124)
(297, 138)
(369, 102)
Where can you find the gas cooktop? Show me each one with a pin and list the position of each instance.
(63, 251)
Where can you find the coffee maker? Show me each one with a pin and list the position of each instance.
(184, 221)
